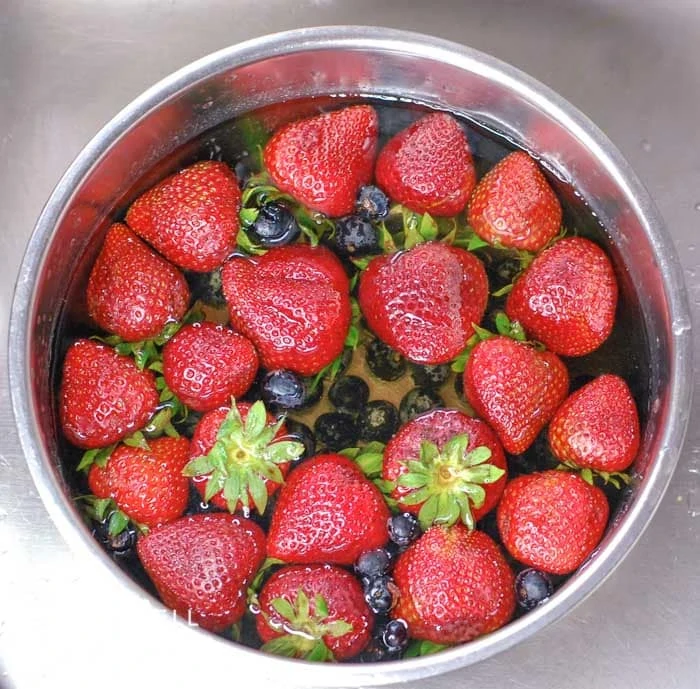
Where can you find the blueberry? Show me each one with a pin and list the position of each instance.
(302, 433)
(395, 635)
(384, 362)
(282, 390)
(375, 651)
(430, 376)
(418, 401)
(274, 226)
(206, 287)
(372, 203)
(379, 420)
(119, 544)
(372, 563)
(355, 236)
(349, 393)
(532, 588)
(378, 594)
(336, 430)
(403, 529)
(243, 172)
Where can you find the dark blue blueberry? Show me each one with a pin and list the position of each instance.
(336, 430)
(375, 651)
(403, 529)
(418, 401)
(349, 393)
(532, 587)
(384, 362)
(119, 544)
(395, 635)
(372, 203)
(372, 563)
(243, 172)
(299, 431)
(378, 594)
(284, 390)
(430, 376)
(274, 226)
(379, 420)
(355, 236)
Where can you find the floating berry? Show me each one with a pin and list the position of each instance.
(372, 563)
(349, 394)
(384, 362)
(379, 594)
(372, 203)
(378, 421)
(274, 226)
(284, 390)
(355, 236)
(417, 401)
(532, 588)
(404, 529)
(336, 430)
(431, 376)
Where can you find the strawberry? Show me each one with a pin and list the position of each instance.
(201, 566)
(322, 161)
(191, 217)
(132, 291)
(446, 467)
(428, 167)
(597, 427)
(423, 302)
(551, 520)
(103, 397)
(514, 206)
(327, 512)
(239, 456)
(205, 364)
(567, 297)
(293, 303)
(515, 388)
(454, 585)
(146, 483)
(316, 612)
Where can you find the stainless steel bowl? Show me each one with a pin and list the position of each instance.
(141, 143)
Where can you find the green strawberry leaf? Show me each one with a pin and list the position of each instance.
(98, 456)
(417, 648)
(118, 521)
(320, 605)
(428, 228)
(507, 289)
(198, 466)
(284, 608)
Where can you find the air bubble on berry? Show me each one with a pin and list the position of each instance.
(384, 362)
(354, 237)
(378, 421)
(372, 563)
(430, 376)
(336, 430)
(372, 203)
(418, 401)
(403, 529)
(349, 394)
(532, 588)
(274, 226)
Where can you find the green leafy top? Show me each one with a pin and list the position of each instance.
(305, 624)
(244, 456)
(448, 483)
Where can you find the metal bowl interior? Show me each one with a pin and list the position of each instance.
(148, 139)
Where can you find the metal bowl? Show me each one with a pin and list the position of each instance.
(146, 140)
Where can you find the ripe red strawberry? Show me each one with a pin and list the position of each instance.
(104, 397)
(551, 520)
(147, 484)
(515, 388)
(240, 456)
(423, 302)
(514, 206)
(293, 303)
(454, 585)
(132, 291)
(428, 167)
(329, 512)
(448, 467)
(323, 160)
(202, 565)
(597, 427)
(567, 297)
(191, 217)
(205, 364)
(316, 612)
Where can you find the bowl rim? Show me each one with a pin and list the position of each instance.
(421, 46)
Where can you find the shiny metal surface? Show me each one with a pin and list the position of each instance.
(36, 562)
